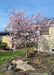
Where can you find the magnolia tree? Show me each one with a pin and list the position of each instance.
(22, 27)
(19, 25)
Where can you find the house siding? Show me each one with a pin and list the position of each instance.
(48, 43)
(6, 39)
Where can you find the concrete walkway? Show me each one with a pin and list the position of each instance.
(3, 51)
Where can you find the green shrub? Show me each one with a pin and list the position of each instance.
(48, 61)
(4, 45)
(51, 58)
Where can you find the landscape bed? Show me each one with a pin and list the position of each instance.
(43, 63)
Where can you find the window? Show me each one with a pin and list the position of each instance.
(45, 32)
(52, 50)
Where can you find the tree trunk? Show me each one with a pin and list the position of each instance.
(25, 48)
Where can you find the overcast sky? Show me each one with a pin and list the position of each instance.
(44, 6)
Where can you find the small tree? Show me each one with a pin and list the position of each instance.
(18, 24)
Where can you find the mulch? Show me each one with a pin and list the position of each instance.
(47, 65)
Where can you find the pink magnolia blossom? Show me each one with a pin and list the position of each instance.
(18, 24)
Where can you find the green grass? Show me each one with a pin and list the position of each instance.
(45, 73)
(9, 55)
(51, 57)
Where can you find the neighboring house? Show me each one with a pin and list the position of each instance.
(4, 36)
(47, 45)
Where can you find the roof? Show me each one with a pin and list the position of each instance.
(4, 33)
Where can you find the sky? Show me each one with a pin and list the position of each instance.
(44, 6)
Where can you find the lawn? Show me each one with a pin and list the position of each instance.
(9, 55)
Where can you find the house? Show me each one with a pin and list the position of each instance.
(4, 36)
(47, 45)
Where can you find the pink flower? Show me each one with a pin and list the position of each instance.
(10, 63)
(23, 59)
(16, 68)
(24, 73)
(14, 63)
